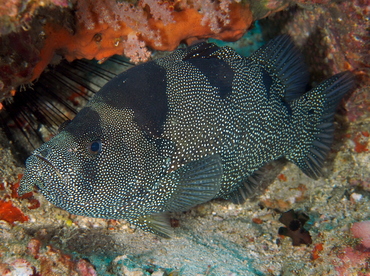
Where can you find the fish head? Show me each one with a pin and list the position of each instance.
(100, 165)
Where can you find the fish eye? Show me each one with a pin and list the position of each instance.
(94, 147)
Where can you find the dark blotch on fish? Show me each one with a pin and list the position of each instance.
(179, 131)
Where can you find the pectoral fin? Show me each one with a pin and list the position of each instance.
(194, 183)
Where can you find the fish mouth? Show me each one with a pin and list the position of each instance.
(44, 184)
(33, 176)
(53, 188)
(36, 165)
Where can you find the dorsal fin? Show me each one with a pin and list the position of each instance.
(63, 125)
(282, 59)
(201, 50)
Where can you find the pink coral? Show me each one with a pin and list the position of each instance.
(362, 230)
(159, 10)
(102, 28)
(85, 268)
(135, 49)
(352, 262)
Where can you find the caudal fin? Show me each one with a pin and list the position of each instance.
(313, 114)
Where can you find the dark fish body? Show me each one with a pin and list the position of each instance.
(179, 131)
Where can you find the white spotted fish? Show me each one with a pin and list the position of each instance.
(181, 130)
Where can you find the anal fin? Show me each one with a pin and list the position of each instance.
(248, 187)
(157, 223)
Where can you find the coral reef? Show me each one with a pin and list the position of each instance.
(217, 238)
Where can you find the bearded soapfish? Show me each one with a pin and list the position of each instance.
(181, 130)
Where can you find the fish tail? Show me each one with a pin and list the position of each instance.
(313, 123)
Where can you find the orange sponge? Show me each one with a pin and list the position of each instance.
(105, 28)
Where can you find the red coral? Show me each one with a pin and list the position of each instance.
(316, 251)
(102, 28)
(10, 213)
(282, 177)
(33, 202)
(361, 140)
(14, 188)
(257, 220)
